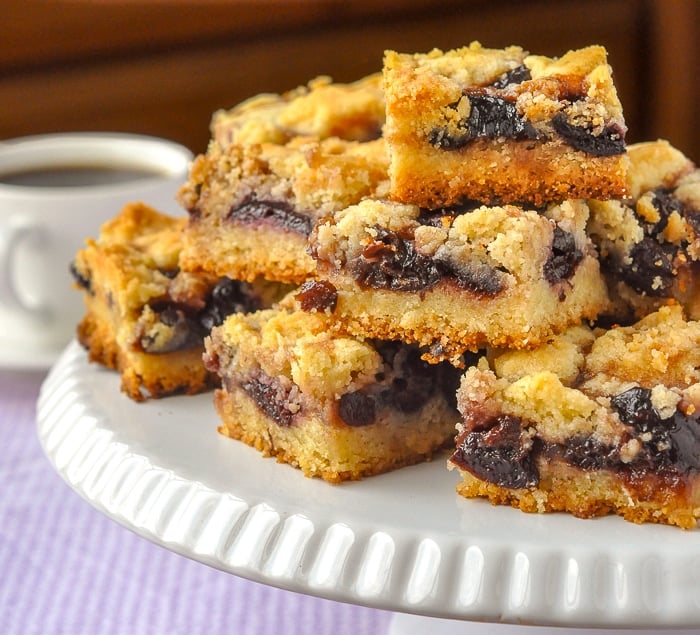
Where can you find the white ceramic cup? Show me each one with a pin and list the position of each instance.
(56, 190)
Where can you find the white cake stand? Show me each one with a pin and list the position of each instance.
(403, 541)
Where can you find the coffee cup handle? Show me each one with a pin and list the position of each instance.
(13, 233)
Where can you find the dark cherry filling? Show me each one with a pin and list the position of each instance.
(415, 379)
(652, 265)
(185, 330)
(190, 326)
(516, 75)
(170, 273)
(665, 204)
(477, 277)
(494, 451)
(84, 282)
(652, 270)
(270, 396)
(489, 117)
(564, 257)
(357, 409)
(610, 142)
(674, 441)
(279, 213)
(586, 452)
(391, 262)
(317, 295)
(227, 297)
(693, 219)
(492, 448)
(406, 385)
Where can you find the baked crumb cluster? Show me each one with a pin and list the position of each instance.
(460, 251)
(322, 109)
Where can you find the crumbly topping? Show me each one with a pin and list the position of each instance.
(439, 78)
(321, 109)
(300, 346)
(655, 164)
(514, 241)
(649, 242)
(564, 388)
(662, 348)
(469, 65)
(564, 355)
(315, 177)
(139, 248)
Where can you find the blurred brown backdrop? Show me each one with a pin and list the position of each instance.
(163, 67)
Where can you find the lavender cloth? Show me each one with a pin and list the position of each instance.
(65, 569)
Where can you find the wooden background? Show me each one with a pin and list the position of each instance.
(162, 67)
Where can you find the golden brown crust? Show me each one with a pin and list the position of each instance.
(247, 252)
(322, 109)
(436, 162)
(142, 375)
(585, 495)
(129, 265)
(332, 454)
(547, 172)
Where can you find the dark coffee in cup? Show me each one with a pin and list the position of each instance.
(56, 191)
(76, 175)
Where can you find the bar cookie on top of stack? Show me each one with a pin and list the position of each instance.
(252, 207)
(274, 166)
(503, 126)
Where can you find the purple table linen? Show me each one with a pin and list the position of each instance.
(67, 569)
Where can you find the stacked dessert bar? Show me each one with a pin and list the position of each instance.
(293, 385)
(553, 418)
(460, 251)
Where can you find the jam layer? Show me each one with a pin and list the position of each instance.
(498, 449)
